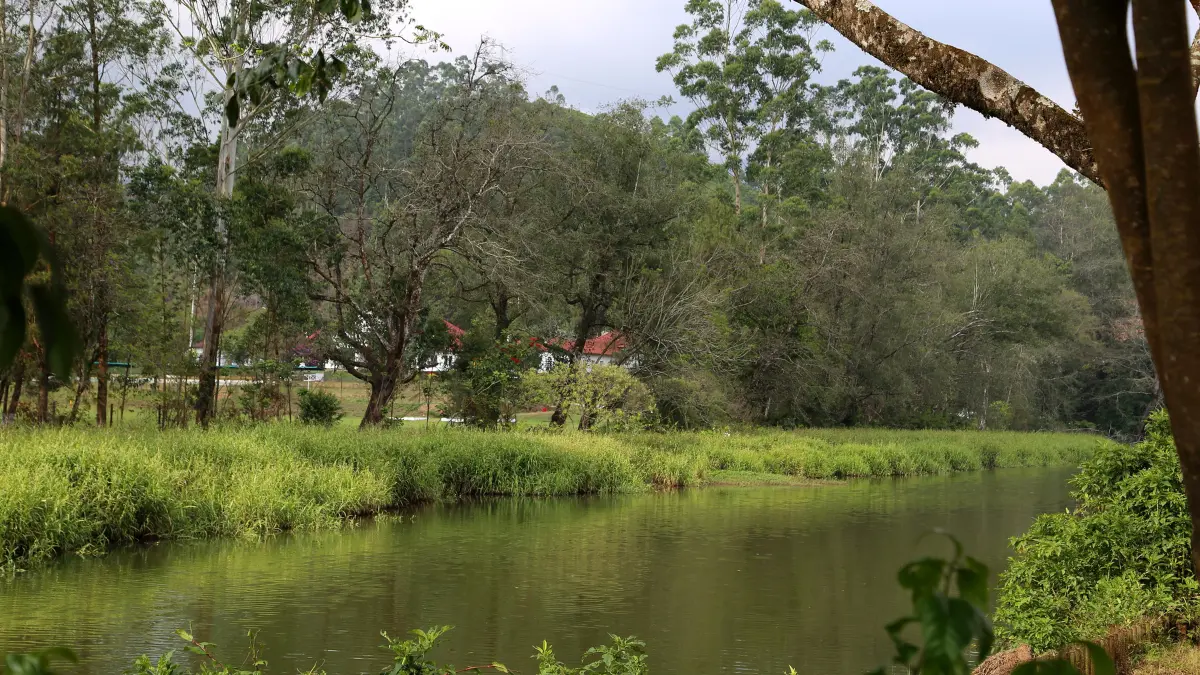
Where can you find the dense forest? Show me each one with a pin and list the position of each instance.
(791, 253)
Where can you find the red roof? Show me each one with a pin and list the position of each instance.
(605, 344)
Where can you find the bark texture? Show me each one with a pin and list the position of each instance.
(1143, 126)
(961, 77)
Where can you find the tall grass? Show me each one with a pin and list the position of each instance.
(85, 491)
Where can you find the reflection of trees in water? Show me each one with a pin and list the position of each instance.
(752, 579)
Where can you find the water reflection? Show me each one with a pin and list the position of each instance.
(715, 580)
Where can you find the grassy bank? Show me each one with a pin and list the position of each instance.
(84, 491)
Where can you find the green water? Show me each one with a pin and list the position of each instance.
(718, 580)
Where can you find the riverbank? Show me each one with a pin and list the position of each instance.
(85, 491)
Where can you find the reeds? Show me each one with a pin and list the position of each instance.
(85, 491)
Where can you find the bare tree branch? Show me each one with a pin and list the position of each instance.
(961, 77)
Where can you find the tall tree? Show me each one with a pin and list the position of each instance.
(397, 182)
(1140, 142)
(746, 65)
(223, 36)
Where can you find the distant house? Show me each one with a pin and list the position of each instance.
(444, 361)
(304, 351)
(607, 349)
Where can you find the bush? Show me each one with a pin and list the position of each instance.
(319, 407)
(487, 388)
(1123, 553)
(604, 397)
(689, 403)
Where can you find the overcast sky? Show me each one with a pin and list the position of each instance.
(600, 52)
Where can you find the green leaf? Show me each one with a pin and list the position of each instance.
(12, 329)
(232, 110)
(60, 340)
(973, 583)
(1102, 664)
(60, 653)
(255, 92)
(327, 6)
(922, 576)
(352, 10)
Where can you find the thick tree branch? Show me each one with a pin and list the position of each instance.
(961, 77)
(1195, 54)
(1143, 124)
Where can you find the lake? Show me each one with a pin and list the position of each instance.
(715, 580)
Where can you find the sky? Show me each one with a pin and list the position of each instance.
(601, 52)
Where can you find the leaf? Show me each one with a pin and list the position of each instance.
(12, 329)
(1102, 664)
(60, 340)
(922, 576)
(327, 6)
(973, 583)
(232, 110)
(499, 667)
(255, 92)
(352, 10)
(60, 653)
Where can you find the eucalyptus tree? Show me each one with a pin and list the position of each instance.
(254, 53)
(747, 66)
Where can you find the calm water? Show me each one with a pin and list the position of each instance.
(716, 580)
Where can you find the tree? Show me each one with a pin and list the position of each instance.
(397, 183)
(222, 36)
(746, 65)
(1141, 143)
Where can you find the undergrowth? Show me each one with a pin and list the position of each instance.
(1121, 556)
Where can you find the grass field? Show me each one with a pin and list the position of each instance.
(84, 491)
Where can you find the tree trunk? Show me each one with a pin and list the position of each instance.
(218, 279)
(383, 388)
(961, 77)
(207, 389)
(14, 399)
(85, 378)
(102, 374)
(1142, 124)
(588, 319)
(500, 308)
(101, 235)
(43, 404)
(3, 93)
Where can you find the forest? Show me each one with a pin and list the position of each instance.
(791, 254)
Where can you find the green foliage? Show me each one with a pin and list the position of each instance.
(319, 408)
(603, 397)
(410, 656)
(1122, 554)
(38, 663)
(487, 386)
(83, 492)
(23, 247)
(949, 600)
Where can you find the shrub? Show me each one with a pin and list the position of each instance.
(603, 397)
(319, 407)
(689, 402)
(487, 388)
(1123, 552)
